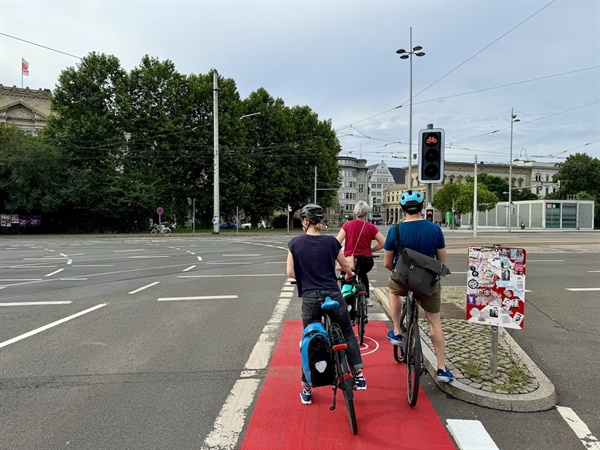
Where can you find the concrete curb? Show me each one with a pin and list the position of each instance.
(543, 398)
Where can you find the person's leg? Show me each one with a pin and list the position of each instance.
(395, 293)
(311, 312)
(366, 264)
(437, 337)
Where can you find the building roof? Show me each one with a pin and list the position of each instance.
(398, 174)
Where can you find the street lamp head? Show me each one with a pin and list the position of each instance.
(400, 51)
(417, 48)
(404, 56)
(420, 54)
(514, 116)
(516, 120)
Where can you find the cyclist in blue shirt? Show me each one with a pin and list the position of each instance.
(311, 262)
(427, 238)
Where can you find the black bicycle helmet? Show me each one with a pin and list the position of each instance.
(412, 201)
(312, 212)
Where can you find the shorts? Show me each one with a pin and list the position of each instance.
(431, 304)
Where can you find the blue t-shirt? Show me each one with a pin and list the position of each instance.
(314, 262)
(420, 235)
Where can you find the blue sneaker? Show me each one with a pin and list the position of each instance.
(444, 375)
(306, 396)
(395, 339)
(360, 384)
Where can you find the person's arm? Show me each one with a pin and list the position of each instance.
(388, 260)
(440, 254)
(290, 266)
(341, 235)
(343, 262)
(380, 241)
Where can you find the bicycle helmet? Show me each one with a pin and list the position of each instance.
(348, 290)
(411, 201)
(361, 209)
(312, 212)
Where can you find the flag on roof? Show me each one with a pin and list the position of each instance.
(24, 67)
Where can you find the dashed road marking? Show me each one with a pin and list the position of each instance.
(202, 297)
(144, 287)
(582, 431)
(35, 303)
(188, 269)
(50, 325)
(582, 289)
(470, 435)
(54, 273)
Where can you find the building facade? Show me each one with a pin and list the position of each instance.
(380, 177)
(26, 109)
(525, 175)
(354, 187)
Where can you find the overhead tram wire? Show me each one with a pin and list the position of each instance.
(40, 45)
(460, 65)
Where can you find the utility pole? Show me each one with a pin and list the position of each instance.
(475, 200)
(315, 185)
(216, 213)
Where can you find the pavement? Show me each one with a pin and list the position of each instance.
(517, 385)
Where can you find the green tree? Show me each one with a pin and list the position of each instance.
(486, 200)
(446, 197)
(578, 173)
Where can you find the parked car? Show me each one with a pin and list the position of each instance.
(246, 226)
(228, 226)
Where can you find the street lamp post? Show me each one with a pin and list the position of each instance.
(513, 119)
(408, 55)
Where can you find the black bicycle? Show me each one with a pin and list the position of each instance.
(410, 351)
(344, 370)
(360, 291)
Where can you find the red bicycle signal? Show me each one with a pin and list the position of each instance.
(431, 140)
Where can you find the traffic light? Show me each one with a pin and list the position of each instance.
(429, 214)
(431, 155)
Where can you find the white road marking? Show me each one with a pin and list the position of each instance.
(231, 263)
(53, 273)
(288, 288)
(244, 254)
(19, 279)
(380, 317)
(237, 276)
(50, 325)
(188, 269)
(202, 297)
(470, 435)
(545, 260)
(63, 255)
(70, 261)
(131, 250)
(149, 256)
(45, 258)
(230, 421)
(199, 258)
(73, 279)
(35, 303)
(582, 431)
(582, 289)
(191, 253)
(95, 265)
(593, 271)
(144, 287)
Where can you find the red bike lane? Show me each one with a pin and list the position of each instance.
(385, 419)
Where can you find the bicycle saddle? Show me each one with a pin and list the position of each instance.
(329, 303)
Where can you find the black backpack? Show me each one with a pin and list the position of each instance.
(315, 350)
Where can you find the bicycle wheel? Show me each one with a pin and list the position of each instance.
(347, 389)
(399, 355)
(413, 362)
(361, 318)
(154, 231)
(167, 231)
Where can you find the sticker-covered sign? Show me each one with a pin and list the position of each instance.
(496, 286)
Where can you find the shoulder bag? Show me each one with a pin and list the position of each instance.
(350, 259)
(417, 271)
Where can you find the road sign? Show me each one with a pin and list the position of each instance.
(159, 210)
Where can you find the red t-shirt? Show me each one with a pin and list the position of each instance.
(352, 229)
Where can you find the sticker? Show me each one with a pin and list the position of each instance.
(473, 284)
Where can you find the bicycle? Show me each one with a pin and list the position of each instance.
(344, 371)
(360, 291)
(410, 351)
(162, 228)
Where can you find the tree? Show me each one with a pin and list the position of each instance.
(445, 198)
(485, 199)
(578, 173)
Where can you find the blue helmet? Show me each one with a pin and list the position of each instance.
(412, 201)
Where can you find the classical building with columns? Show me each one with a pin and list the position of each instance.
(25, 108)
(525, 175)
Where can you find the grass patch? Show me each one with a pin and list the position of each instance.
(469, 369)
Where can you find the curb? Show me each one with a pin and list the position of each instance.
(543, 398)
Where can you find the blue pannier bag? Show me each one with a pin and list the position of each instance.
(315, 350)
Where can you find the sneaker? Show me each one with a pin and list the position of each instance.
(360, 384)
(306, 396)
(395, 339)
(444, 375)
(369, 302)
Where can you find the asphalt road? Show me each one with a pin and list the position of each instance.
(167, 327)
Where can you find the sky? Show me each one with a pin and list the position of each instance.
(483, 59)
